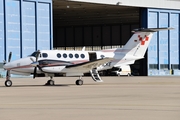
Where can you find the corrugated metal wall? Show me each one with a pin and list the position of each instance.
(94, 35)
(25, 26)
(163, 52)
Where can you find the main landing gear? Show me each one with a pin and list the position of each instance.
(79, 81)
(50, 82)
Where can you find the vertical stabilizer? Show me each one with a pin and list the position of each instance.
(139, 42)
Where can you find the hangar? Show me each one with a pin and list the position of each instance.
(29, 25)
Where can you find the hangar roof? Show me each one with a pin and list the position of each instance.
(167, 4)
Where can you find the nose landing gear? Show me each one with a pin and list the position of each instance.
(8, 83)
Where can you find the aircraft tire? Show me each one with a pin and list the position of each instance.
(8, 83)
(50, 82)
(79, 82)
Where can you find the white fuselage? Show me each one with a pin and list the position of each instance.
(55, 61)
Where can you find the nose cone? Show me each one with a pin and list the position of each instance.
(7, 66)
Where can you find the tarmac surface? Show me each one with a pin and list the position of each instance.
(117, 98)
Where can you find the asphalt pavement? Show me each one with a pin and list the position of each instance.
(117, 98)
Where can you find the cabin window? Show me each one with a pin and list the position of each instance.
(71, 55)
(76, 56)
(82, 56)
(59, 55)
(44, 55)
(65, 55)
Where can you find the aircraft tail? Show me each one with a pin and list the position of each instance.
(139, 42)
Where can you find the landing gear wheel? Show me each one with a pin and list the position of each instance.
(50, 82)
(8, 83)
(79, 82)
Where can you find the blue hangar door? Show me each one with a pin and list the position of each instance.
(25, 26)
(163, 55)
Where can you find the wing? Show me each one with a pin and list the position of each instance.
(87, 66)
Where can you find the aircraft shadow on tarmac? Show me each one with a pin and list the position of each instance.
(57, 85)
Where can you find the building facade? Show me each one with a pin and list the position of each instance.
(25, 26)
(164, 50)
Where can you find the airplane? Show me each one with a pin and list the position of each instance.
(76, 63)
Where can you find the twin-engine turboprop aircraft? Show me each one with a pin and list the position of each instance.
(76, 63)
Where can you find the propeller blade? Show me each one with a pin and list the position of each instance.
(37, 55)
(35, 70)
(32, 59)
(34, 74)
(36, 63)
(9, 58)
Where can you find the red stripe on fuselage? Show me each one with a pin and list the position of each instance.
(25, 66)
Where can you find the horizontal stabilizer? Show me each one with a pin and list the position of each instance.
(151, 29)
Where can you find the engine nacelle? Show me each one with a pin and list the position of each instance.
(54, 69)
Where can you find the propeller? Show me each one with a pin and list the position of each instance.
(35, 63)
(10, 55)
(8, 71)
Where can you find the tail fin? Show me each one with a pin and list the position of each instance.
(139, 42)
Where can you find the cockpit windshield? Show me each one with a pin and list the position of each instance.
(34, 54)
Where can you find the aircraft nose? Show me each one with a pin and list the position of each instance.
(7, 66)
